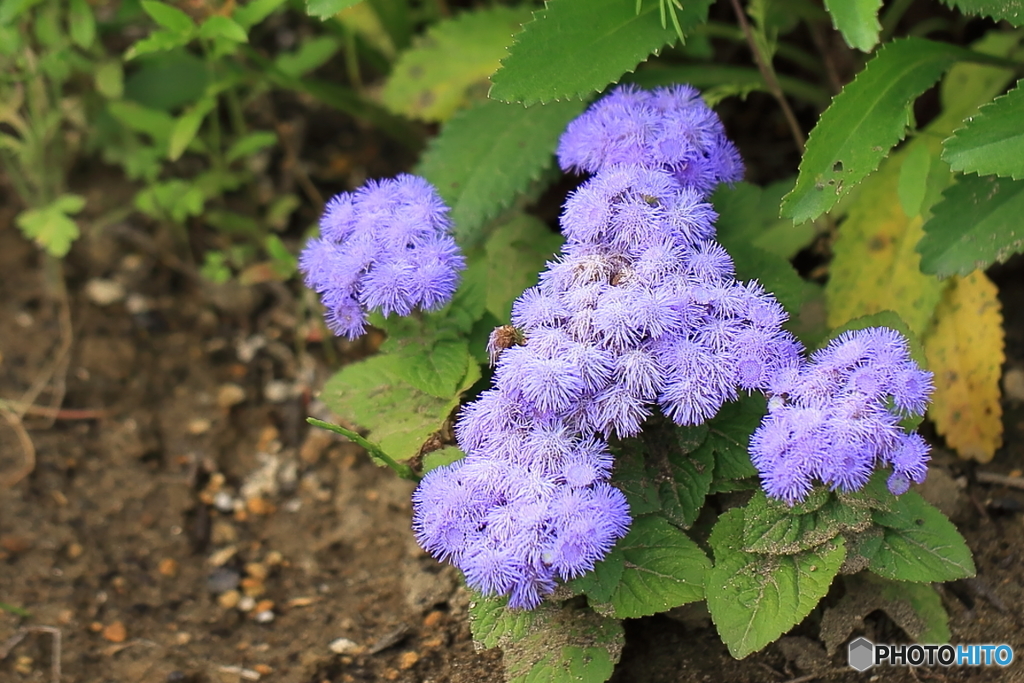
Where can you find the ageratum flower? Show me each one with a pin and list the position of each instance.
(385, 247)
(837, 417)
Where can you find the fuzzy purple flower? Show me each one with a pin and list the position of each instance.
(384, 247)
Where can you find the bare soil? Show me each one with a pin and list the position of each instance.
(179, 522)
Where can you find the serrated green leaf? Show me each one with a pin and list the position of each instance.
(575, 47)
(516, 253)
(754, 599)
(186, 127)
(654, 568)
(219, 26)
(864, 122)
(399, 417)
(81, 23)
(728, 437)
(550, 644)
(770, 527)
(682, 469)
(436, 369)
(857, 20)
(992, 142)
(1010, 10)
(919, 544)
(975, 225)
(434, 78)
(632, 477)
(325, 9)
(487, 155)
(50, 226)
(170, 18)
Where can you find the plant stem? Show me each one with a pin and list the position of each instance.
(4, 607)
(769, 77)
(891, 18)
(403, 470)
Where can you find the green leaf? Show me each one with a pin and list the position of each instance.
(435, 77)
(50, 226)
(864, 122)
(1010, 10)
(253, 13)
(110, 80)
(857, 20)
(12, 9)
(186, 127)
(729, 437)
(219, 26)
(976, 224)
(175, 199)
(993, 140)
(250, 144)
(167, 81)
(754, 599)
(654, 568)
(632, 477)
(771, 526)
(920, 544)
(683, 471)
(311, 54)
(325, 9)
(400, 418)
(516, 252)
(874, 496)
(81, 23)
(157, 41)
(442, 457)
(575, 47)
(550, 644)
(170, 18)
(436, 369)
(913, 183)
(487, 155)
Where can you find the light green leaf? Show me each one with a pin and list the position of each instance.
(516, 252)
(175, 199)
(920, 544)
(437, 369)
(978, 223)
(993, 140)
(864, 122)
(171, 18)
(487, 155)
(81, 23)
(50, 226)
(550, 644)
(754, 599)
(110, 80)
(186, 127)
(654, 568)
(12, 9)
(399, 417)
(913, 182)
(857, 20)
(157, 41)
(253, 13)
(325, 9)
(442, 457)
(311, 54)
(771, 527)
(250, 144)
(219, 26)
(575, 47)
(435, 77)
(1011, 10)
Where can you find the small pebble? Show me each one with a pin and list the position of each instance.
(277, 391)
(182, 638)
(433, 619)
(115, 632)
(1013, 384)
(229, 599)
(199, 425)
(256, 570)
(264, 617)
(247, 603)
(75, 551)
(223, 501)
(264, 605)
(138, 304)
(104, 292)
(263, 669)
(344, 646)
(23, 665)
(220, 557)
(167, 567)
(222, 580)
(259, 506)
(229, 395)
(408, 660)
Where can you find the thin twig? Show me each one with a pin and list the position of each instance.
(768, 73)
(999, 479)
(13, 641)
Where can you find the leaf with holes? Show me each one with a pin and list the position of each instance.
(573, 48)
(864, 122)
(487, 155)
(435, 77)
(920, 544)
(753, 598)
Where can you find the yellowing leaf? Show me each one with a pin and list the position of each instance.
(876, 267)
(441, 71)
(965, 351)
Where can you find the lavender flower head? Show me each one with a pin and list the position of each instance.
(669, 128)
(837, 417)
(385, 247)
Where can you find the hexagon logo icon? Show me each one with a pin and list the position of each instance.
(862, 654)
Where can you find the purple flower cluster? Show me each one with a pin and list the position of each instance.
(641, 309)
(384, 247)
(836, 417)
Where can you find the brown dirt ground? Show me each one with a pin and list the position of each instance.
(181, 524)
